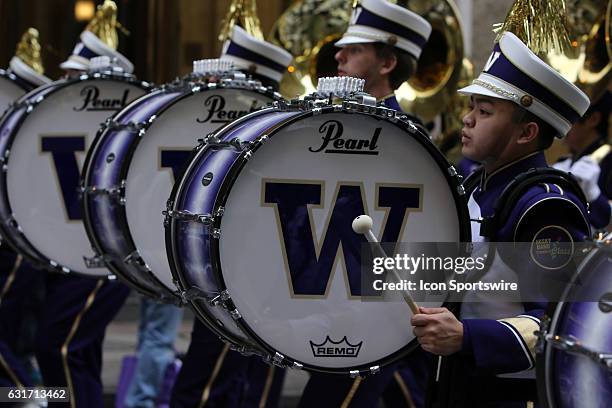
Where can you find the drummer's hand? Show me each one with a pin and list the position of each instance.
(438, 330)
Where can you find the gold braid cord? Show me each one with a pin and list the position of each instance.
(540, 24)
(244, 14)
(28, 50)
(104, 24)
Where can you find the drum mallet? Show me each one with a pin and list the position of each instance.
(363, 225)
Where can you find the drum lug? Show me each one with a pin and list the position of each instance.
(220, 299)
(58, 268)
(193, 293)
(235, 314)
(374, 369)
(461, 190)
(116, 192)
(278, 359)
(297, 366)
(365, 99)
(214, 142)
(219, 212)
(96, 261)
(205, 219)
(354, 374)
(134, 259)
(110, 124)
(243, 350)
(541, 334)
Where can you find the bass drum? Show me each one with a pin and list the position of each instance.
(43, 140)
(11, 88)
(132, 165)
(575, 349)
(259, 230)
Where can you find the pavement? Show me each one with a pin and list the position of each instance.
(121, 339)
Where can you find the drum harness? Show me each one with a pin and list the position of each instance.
(503, 206)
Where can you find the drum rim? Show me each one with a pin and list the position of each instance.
(175, 268)
(544, 361)
(236, 168)
(7, 232)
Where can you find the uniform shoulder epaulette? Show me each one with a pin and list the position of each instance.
(530, 187)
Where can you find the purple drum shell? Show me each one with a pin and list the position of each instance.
(103, 214)
(577, 380)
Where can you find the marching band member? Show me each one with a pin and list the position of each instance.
(586, 139)
(489, 347)
(212, 375)
(78, 309)
(20, 282)
(381, 45)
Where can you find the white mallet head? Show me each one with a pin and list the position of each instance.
(362, 224)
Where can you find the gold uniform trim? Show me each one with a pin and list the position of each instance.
(266, 391)
(351, 393)
(11, 277)
(5, 289)
(73, 329)
(10, 372)
(213, 376)
(526, 328)
(404, 388)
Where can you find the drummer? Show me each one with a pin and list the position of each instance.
(488, 348)
(381, 45)
(78, 309)
(590, 160)
(213, 375)
(20, 283)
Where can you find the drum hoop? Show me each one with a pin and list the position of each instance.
(544, 361)
(24, 102)
(235, 170)
(175, 267)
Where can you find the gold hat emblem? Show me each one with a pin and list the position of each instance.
(28, 50)
(392, 40)
(104, 24)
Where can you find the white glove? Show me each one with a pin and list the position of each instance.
(563, 165)
(587, 171)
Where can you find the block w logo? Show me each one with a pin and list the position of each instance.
(311, 261)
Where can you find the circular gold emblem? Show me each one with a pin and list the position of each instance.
(392, 40)
(526, 101)
(252, 68)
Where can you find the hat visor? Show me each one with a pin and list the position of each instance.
(480, 90)
(352, 39)
(70, 64)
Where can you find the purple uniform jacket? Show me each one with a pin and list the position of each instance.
(504, 344)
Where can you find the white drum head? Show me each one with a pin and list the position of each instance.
(9, 93)
(45, 162)
(253, 251)
(161, 152)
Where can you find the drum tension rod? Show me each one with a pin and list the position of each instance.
(570, 345)
(130, 126)
(206, 219)
(214, 142)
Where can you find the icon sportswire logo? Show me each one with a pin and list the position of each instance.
(330, 348)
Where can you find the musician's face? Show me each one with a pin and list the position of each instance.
(488, 130)
(359, 61)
